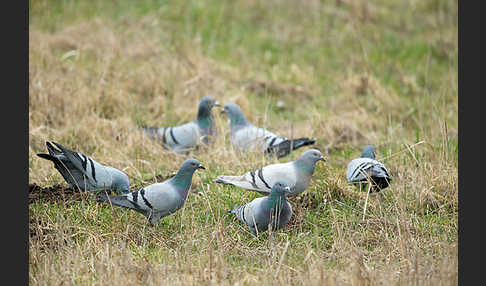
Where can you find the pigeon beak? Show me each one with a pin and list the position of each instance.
(222, 111)
(216, 103)
(322, 159)
(201, 167)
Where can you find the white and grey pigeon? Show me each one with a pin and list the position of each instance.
(81, 171)
(296, 173)
(188, 136)
(247, 137)
(161, 199)
(271, 210)
(360, 169)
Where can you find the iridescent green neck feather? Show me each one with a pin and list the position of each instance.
(182, 181)
(275, 199)
(205, 119)
(305, 165)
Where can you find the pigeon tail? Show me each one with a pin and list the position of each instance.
(234, 210)
(221, 181)
(52, 150)
(120, 201)
(152, 131)
(380, 183)
(47, 157)
(52, 153)
(377, 183)
(283, 149)
(238, 181)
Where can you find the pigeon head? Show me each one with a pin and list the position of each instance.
(183, 178)
(235, 114)
(206, 104)
(368, 152)
(204, 116)
(278, 195)
(191, 165)
(280, 188)
(308, 160)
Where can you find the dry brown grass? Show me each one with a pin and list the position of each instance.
(91, 84)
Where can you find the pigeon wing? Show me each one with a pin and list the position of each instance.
(262, 180)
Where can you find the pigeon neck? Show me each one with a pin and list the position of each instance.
(183, 180)
(238, 120)
(274, 200)
(368, 154)
(305, 166)
(205, 119)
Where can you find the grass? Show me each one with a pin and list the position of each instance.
(348, 73)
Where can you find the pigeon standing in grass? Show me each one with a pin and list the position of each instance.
(360, 169)
(247, 137)
(296, 173)
(161, 199)
(261, 212)
(189, 135)
(80, 171)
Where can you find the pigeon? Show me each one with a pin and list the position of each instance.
(247, 137)
(296, 173)
(360, 169)
(81, 171)
(161, 199)
(184, 137)
(272, 209)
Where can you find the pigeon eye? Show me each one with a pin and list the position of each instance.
(194, 164)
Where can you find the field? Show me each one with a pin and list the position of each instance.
(348, 73)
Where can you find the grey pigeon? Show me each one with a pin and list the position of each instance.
(161, 199)
(261, 212)
(360, 169)
(296, 173)
(247, 137)
(81, 171)
(188, 136)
